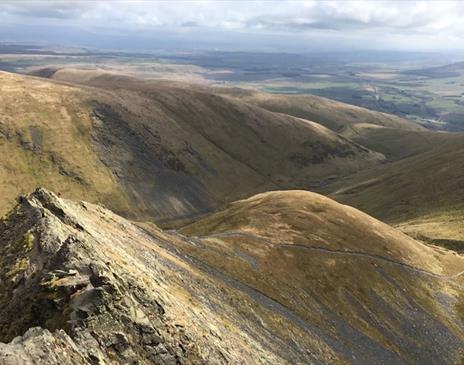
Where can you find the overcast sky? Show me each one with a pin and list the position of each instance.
(410, 25)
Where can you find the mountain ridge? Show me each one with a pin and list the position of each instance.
(84, 264)
(329, 113)
(79, 261)
(165, 154)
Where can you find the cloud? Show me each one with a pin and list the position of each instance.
(286, 15)
(421, 17)
(438, 20)
(41, 9)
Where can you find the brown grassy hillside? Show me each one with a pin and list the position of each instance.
(161, 151)
(332, 114)
(395, 143)
(280, 278)
(81, 285)
(45, 139)
(423, 193)
(342, 270)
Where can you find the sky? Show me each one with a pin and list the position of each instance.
(277, 25)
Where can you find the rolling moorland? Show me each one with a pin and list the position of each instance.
(172, 150)
(223, 255)
(425, 87)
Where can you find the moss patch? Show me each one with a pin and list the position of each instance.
(28, 241)
(20, 265)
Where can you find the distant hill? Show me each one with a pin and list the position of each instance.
(262, 270)
(423, 193)
(451, 70)
(396, 143)
(332, 114)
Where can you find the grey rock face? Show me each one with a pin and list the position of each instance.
(80, 285)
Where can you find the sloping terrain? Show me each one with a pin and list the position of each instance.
(103, 291)
(423, 194)
(211, 149)
(385, 296)
(45, 139)
(397, 144)
(158, 150)
(330, 113)
(282, 277)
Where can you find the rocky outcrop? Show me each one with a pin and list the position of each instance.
(81, 285)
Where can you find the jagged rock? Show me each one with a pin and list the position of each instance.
(81, 285)
(93, 288)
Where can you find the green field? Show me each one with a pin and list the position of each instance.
(429, 103)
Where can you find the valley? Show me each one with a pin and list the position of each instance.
(171, 149)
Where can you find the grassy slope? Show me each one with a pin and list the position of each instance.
(45, 140)
(225, 144)
(332, 114)
(397, 144)
(178, 150)
(148, 288)
(173, 150)
(266, 242)
(141, 136)
(312, 220)
(424, 193)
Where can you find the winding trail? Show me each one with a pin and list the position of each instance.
(345, 339)
(361, 349)
(331, 251)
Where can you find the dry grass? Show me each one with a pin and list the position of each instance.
(332, 114)
(158, 149)
(397, 144)
(45, 140)
(427, 187)
(269, 254)
(312, 220)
